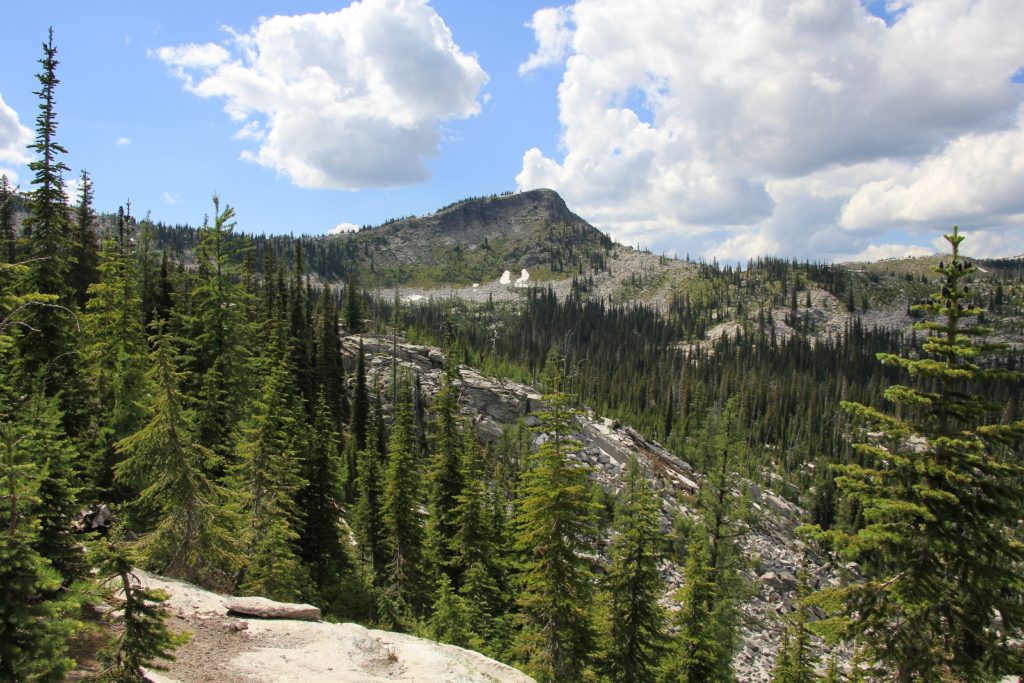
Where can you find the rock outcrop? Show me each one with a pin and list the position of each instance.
(771, 544)
(226, 648)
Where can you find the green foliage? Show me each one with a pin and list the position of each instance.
(145, 640)
(794, 662)
(194, 535)
(940, 490)
(268, 477)
(636, 635)
(405, 586)
(554, 535)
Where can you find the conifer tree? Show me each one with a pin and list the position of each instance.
(268, 475)
(940, 549)
(47, 235)
(145, 639)
(353, 307)
(451, 618)
(405, 586)
(367, 517)
(360, 402)
(329, 373)
(636, 634)
(555, 534)
(194, 535)
(321, 542)
(85, 250)
(8, 234)
(115, 354)
(445, 480)
(794, 662)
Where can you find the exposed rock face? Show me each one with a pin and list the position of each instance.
(270, 609)
(232, 650)
(493, 403)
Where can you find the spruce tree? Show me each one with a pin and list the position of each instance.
(940, 550)
(145, 640)
(47, 234)
(405, 588)
(367, 516)
(555, 533)
(353, 307)
(8, 233)
(322, 539)
(269, 478)
(636, 630)
(193, 536)
(85, 249)
(115, 356)
(445, 480)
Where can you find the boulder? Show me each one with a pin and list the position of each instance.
(263, 608)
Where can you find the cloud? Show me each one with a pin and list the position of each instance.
(347, 100)
(123, 142)
(171, 198)
(551, 26)
(806, 128)
(343, 228)
(14, 137)
(879, 252)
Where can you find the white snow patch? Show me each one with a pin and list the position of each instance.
(475, 285)
(524, 277)
(415, 297)
(506, 277)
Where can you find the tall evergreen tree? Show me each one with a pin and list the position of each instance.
(115, 355)
(555, 535)
(367, 516)
(85, 249)
(353, 307)
(268, 475)
(405, 587)
(322, 540)
(8, 233)
(940, 490)
(194, 534)
(636, 634)
(360, 401)
(47, 234)
(445, 481)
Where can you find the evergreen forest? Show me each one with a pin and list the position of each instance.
(192, 385)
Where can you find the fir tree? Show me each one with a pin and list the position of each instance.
(47, 234)
(353, 307)
(404, 589)
(115, 354)
(360, 401)
(145, 639)
(941, 499)
(636, 634)
(367, 518)
(451, 618)
(445, 480)
(194, 535)
(555, 534)
(85, 249)
(8, 233)
(321, 542)
(794, 662)
(268, 475)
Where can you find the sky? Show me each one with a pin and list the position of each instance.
(827, 130)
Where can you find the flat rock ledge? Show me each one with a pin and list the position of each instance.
(262, 608)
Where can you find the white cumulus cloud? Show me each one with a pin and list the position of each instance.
(348, 100)
(804, 128)
(123, 141)
(13, 140)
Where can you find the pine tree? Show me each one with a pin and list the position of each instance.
(48, 236)
(555, 535)
(269, 478)
(8, 234)
(367, 517)
(145, 638)
(85, 249)
(405, 586)
(322, 542)
(353, 307)
(115, 354)
(194, 535)
(445, 481)
(794, 662)
(940, 550)
(636, 634)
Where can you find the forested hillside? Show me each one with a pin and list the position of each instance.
(211, 393)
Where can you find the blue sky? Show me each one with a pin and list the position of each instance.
(824, 129)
